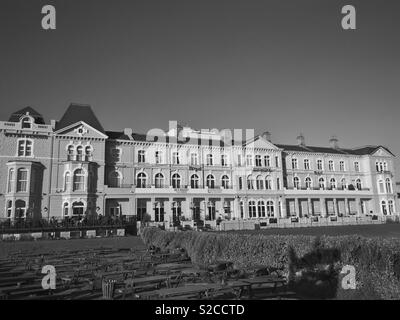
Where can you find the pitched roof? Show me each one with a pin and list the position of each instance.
(79, 112)
(117, 135)
(355, 151)
(15, 117)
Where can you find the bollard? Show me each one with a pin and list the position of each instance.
(108, 287)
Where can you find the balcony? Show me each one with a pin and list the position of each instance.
(262, 169)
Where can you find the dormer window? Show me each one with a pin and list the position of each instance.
(26, 123)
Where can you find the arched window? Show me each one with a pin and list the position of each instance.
(79, 180)
(22, 180)
(250, 183)
(176, 181)
(358, 184)
(268, 183)
(321, 183)
(381, 186)
(260, 183)
(261, 209)
(296, 182)
(209, 159)
(343, 183)
(388, 185)
(67, 181)
(70, 153)
(66, 209)
(225, 182)
(11, 180)
(308, 183)
(26, 123)
(159, 180)
(384, 208)
(252, 209)
(9, 208)
(88, 153)
(194, 181)
(391, 207)
(141, 180)
(115, 179)
(20, 209)
(270, 209)
(78, 208)
(79, 153)
(210, 181)
(332, 183)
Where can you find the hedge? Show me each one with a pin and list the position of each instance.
(376, 260)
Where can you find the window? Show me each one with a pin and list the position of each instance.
(194, 181)
(79, 153)
(24, 148)
(268, 183)
(240, 183)
(116, 154)
(261, 209)
(249, 160)
(70, 153)
(341, 165)
(78, 208)
(321, 183)
(296, 182)
(88, 153)
(308, 183)
(141, 180)
(20, 209)
(258, 160)
(224, 160)
(22, 180)
(141, 156)
(381, 186)
(319, 164)
(11, 180)
(260, 183)
(67, 181)
(267, 161)
(252, 209)
(358, 184)
(210, 181)
(306, 164)
(176, 181)
(331, 165)
(332, 183)
(388, 185)
(277, 161)
(225, 182)
(158, 157)
(66, 209)
(294, 163)
(250, 183)
(194, 159)
(209, 160)
(26, 123)
(115, 179)
(356, 166)
(79, 180)
(159, 180)
(9, 208)
(175, 158)
(391, 206)
(239, 160)
(384, 208)
(343, 183)
(278, 184)
(270, 209)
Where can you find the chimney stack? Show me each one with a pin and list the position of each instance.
(266, 135)
(128, 132)
(300, 140)
(333, 141)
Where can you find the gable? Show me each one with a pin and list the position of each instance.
(260, 142)
(81, 130)
(382, 152)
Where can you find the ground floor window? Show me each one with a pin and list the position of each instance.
(261, 209)
(384, 207)
(20, 209)
(176, 212)
(159, 212)
(211, 211)
(78, 208)
(252, 209)
(270, 209)
(9, 209)
(115, 211)
(391, 206)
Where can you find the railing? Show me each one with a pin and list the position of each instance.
(122, 186)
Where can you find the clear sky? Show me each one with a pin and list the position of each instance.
(282, 66)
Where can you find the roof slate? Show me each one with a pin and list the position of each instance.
(78, 112)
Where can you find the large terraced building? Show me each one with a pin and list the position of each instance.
(74, 167)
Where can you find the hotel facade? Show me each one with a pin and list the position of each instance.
(73, 167)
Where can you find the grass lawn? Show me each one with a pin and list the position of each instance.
(42, 246)
(388, 230)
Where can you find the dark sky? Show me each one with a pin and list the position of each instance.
(282, 66)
